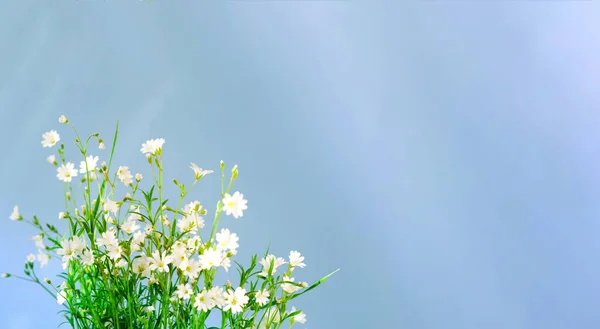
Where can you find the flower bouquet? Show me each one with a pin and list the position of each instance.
(141, 261)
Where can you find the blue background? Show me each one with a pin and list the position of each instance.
(443, 154)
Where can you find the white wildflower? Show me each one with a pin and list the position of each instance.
(15, 215)
(234, 204)
(66, 172)
(50, 138)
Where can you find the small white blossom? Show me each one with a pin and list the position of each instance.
(288, 287)
(191, 269)
(61, 297)
(124, 175)
(90, 164)
(101, 145)
(235, 300)
(152, 146)
(300, 317)
(266, 263)
(199, 172)
(51, 159)
(160, 261)
(43, 258)
(203, 301)
(108, 239)
(62, 215)
(15, 215)
(66, 172)
(138, 177)
(63, 119)
(210, 258)
(234, 204)
(30, 258)
(296, 259)
(5, 275)
(50, 138)
(217, 295)
(130, 226)
(87, 257)
(114, 251)
(39, 241)
(184, 291)
(150, 308)
(111, 206)
(227, 240)
(262, 297)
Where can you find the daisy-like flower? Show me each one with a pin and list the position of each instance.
(51, 159)
(125, 175)
(50, 138)
(288, 287)
(111, 206)
(203, 301)
(78, 245)
(90, 164)
(227, 240)
(66, 251)
(30, 258)
(15, 215)
(142, 266)
(266, 263)
(234, 204)
(63, 119)
(199, 172)
(262, 297)
(211, 257)
(66, 172)
(192, 269)
(87, 257)
(184, 291)
(61, 297)
(43, 258)
(152, 146)
(108, 239)
(296, 259)
(130, 226)
(160, 262)
(217, 295)
(190, 223)
(114, 251)
(235, 300)
(300, 317)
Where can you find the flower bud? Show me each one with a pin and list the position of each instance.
(222, 165)
(101, 144)
(138, 177)
(304, 284)
(5, 275)
(68, 194)
(175, 182)
(234, 172)
(63, 119)
(47, 281)
(149, 158)
(228, 285)
(51, 159)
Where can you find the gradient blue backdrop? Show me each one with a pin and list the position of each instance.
(444, 154)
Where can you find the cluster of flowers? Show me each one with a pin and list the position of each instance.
(120, 275)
